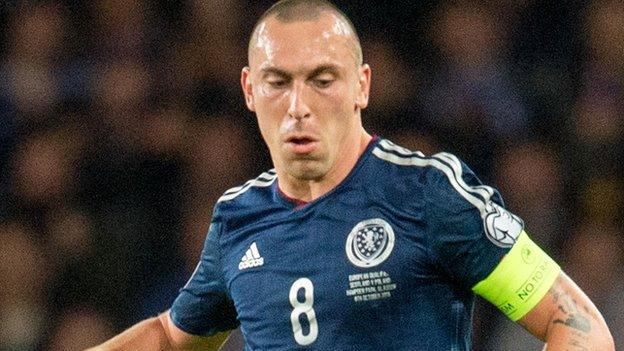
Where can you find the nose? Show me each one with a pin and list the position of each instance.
(298, 107)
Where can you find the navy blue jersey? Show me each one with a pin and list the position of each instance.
(384, 261)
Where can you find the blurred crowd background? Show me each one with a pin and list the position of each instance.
(122, 122)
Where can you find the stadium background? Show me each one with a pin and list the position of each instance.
(121, 122)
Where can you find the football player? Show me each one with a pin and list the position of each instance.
(352, 242)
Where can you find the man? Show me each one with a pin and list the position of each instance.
(352, 242)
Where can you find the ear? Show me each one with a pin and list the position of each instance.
(247, 88)
(364, 78)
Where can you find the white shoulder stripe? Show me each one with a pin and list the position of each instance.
(484, 191)
(453, 174)
(266, 176)
(262, 177)
(264, 180)
(387, 144)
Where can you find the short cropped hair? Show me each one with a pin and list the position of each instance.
(305, 10)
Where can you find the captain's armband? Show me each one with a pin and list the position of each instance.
(520, 280)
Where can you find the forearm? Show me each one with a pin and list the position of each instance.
(564, 337)
(146, 335)
(160, 334)
(577, 323)
(578, 330)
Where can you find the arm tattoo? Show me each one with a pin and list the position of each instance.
(573, 317)
(579, 342)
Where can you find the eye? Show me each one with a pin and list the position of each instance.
(323, 82)
(277, 83)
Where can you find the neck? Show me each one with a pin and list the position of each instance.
(310, 190)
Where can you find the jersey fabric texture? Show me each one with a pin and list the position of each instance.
(384, 261)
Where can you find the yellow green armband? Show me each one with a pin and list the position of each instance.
(520, 280)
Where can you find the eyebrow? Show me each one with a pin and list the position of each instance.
(274, 70)
(331, 68)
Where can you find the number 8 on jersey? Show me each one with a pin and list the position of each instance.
(304, 307)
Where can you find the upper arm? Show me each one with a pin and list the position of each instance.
(566, 307)
(483, 246)
(203, 306)
(181, 340)
(468, 229)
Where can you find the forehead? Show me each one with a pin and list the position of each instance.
(303, 44)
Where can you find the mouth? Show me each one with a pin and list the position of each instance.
(299, 140)
(301, 144)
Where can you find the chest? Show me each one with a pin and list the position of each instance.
(325, 269)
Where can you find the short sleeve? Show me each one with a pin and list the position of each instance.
(468, 228)
(203, 306)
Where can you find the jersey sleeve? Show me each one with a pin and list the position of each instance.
(468, 227)
(203, 306)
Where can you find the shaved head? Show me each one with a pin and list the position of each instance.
(288, 11)
(307, 85)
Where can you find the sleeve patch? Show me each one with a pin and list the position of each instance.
(501, 226)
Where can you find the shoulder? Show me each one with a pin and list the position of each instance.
(252, 192)
(438, 169)
(437, 166)
(444, 179)
(246, 204)
(399, 162)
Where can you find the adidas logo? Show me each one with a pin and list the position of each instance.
(252, 258)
